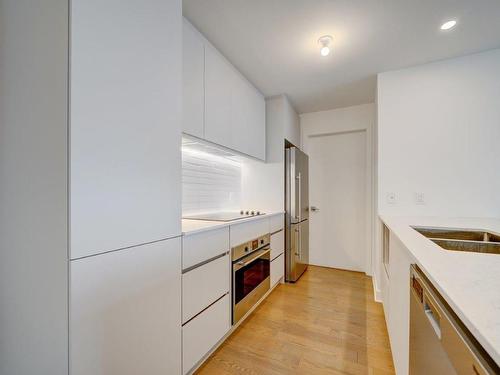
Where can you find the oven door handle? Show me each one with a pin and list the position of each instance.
(241, 264)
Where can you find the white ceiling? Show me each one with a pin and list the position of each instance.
(274, 42)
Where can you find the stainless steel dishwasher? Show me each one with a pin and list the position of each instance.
(439, 342)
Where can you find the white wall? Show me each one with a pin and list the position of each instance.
(263, 184)
(439, 134)
(359, 117)
(355, 118)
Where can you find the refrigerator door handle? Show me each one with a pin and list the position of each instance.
(300, 243)
(297, 242)
(299, 208)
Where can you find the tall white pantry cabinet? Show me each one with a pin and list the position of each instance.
(90, 115)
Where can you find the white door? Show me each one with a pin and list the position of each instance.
(338, 188)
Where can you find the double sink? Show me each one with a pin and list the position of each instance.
(477, 241)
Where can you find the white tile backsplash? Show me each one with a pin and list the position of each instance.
(209, 182)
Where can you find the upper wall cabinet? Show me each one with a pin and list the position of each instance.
(220, 84)
(193, 88)
(253, 122)
(234, 110)
(125, 123)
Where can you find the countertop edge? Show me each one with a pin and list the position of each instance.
(213, 225)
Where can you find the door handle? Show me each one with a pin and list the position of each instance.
(297, 240)
(299, 179)
(314, 209)
(242, 264)
(432, 313)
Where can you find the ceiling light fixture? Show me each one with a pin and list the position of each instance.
(448, 25)
(325, 42)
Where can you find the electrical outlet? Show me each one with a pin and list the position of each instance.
(419, 198)
(391, 198)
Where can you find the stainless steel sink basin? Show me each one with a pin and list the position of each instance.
(477, 241)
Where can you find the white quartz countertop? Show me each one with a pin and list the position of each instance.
(469, 282)
(196, 226)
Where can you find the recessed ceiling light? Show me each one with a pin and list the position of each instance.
(325, 42)
(448, 25)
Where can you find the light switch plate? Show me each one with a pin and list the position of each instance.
(391, 198)
(419, 198)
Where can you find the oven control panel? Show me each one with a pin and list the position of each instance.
(249, 247)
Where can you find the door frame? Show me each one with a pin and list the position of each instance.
(344, 121)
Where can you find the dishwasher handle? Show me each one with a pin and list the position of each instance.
(433, 313)
(430, 308)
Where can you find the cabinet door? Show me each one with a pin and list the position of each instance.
(277, 269)
(248, 118)
(200, 247)
(244, 232)
(204, 285)
(239, 114)
(398, 322)
(202, 333)
(276, 223)
(219, 87)
(193, 92)
(125, 123)
(234, 109)
(254, 123)
(126, 311)
(277, 244)
(258, 123)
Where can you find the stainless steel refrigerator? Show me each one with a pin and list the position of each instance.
(297, 213)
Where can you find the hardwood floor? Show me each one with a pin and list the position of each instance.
(327, 323)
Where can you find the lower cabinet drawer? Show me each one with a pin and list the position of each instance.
(277, 269)
(204, 331)
(204, 285)
(199, 247)
(244, 232)
(277, 244)
(276, 223)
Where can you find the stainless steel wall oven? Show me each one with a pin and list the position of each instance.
(251, 274)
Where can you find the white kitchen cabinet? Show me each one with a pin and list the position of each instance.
(193, 86)
(234, 108)
(126, 311)
(204, 285)
(398, 304)
(243, 232)
(252, 121)
(277, 243)
(90, 144)
(200, 247)
(219, 104)
(220, 79)
(277, 269)
(126, 69)
(276, 223)
(203, 332)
